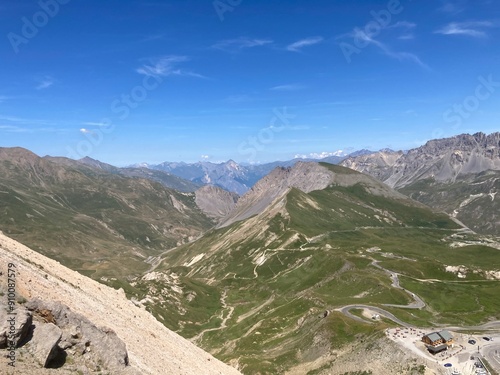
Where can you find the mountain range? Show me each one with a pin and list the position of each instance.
(280, 279)
(231, 176)
(442, 160)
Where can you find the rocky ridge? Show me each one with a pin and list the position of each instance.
(458, 175)
(443, 160)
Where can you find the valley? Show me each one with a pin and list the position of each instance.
(260, 187)
(288, 278)
(285, 279)
(98, 222)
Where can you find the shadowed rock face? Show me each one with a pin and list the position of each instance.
(442, 160)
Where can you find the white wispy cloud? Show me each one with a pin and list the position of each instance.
(297, 46)
(90, 123)
(401, 56)
(408, 36)
(12, 129)
(15, 124)
(402, 24)
(85, 131)
(152, 37)
(30, 129)
(297, 127)
(232, 45)
(205, 157)
(475, 29)
(290, 87)
(406, 28)
(45, 82)
(167, 66)
(23, 121)
(12, 118)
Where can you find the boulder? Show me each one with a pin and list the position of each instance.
(97, 345)
(43, 344)
(22, 322)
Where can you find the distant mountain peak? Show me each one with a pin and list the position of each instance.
(304, 176)
(87, 159)
(388, 150)
(140, 165)
(17, 153)
(97, 164)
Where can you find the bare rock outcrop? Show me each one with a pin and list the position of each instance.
(43, 344)
(82, 337)
(303, 176)
(214, 201)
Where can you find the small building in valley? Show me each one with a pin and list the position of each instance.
(447, 337)
(438, 341)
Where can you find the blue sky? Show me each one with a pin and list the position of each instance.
(254, 81)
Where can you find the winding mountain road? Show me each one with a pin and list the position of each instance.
(346, 310)
(417, 303)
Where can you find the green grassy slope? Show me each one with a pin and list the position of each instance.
(99, 223)
(257, 291)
